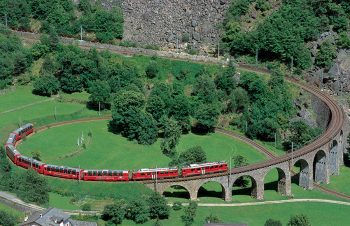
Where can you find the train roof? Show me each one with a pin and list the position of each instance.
(12, 136)
(205, 164)
(64, 167)
(98, 170)
(13, 149)
(23, 127)
(31, 160)
(156, 170)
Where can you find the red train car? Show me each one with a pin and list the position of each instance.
(204, 168)
(11, 139)
(159, 173)
(26, 162)
(23, 131)
(63, 172)
(12, 153)
(106, 175)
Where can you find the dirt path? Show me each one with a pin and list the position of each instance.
(27, 105)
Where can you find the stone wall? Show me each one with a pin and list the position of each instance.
(165, 22)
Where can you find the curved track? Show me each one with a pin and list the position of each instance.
(334, 127)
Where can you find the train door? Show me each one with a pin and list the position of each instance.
(203, 170)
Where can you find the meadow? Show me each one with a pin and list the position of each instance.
(107, 150)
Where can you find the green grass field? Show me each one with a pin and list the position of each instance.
(340, 182)
(107, 150)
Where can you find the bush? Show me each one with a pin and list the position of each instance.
(177, 206)
(271, 222)
(185, 37)
(7, 219)
(46, 85)
(193, 155)
(152, 70)
(86, 207)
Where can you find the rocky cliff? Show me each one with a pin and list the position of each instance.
(172, 23)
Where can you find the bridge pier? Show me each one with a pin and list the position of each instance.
(258, 191)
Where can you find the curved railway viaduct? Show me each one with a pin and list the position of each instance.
(317, 160)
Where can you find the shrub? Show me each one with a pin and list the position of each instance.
(177, 206)
(86, 207)
(152, 70)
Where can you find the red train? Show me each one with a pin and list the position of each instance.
(204, 168)
(23, 131)
(159, 173)
(102, 175)
(105, 175)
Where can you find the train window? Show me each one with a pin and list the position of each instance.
(69, 171)
(99, 173)
(110, 173)
(104, 173)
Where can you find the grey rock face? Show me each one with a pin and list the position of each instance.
(159, 21)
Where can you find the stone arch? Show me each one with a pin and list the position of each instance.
(334, 158)
(302, 178)
(177, 191)
(210, 191)
(320, 167)
(242, 183)
(281, 181)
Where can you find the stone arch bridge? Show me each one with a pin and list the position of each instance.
(317, 160)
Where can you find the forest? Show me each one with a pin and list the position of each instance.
(68, 19)
(282, 30)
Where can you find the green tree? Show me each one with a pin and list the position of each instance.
(152, 69)
(38, 193)
(225, 81)
(46, 85)
(172, 134)
(17, 13)
(114, 213)
(109, 24)
(36, 155)
(325, 55)
(205, 89)
(189, 214)
(239, 161)
(193, 155)
(7, 219)
(158, 206)
(156, 107)
(138, 211)
(301, 134)
(181, 110)
(299, 220)
(124, 103)
(272, 222)
(5, 165)
(206, 117)
(238, 100)
(99, 93)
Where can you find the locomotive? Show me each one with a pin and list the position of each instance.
(102, 175)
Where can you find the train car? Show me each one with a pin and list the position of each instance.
(106, 175)
(23, 131)
(12, 153)
(204, 168)
(63, 172)
(27, 162)
(159, 173)
(11, 140)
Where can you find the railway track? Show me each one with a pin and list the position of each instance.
(334, 127)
